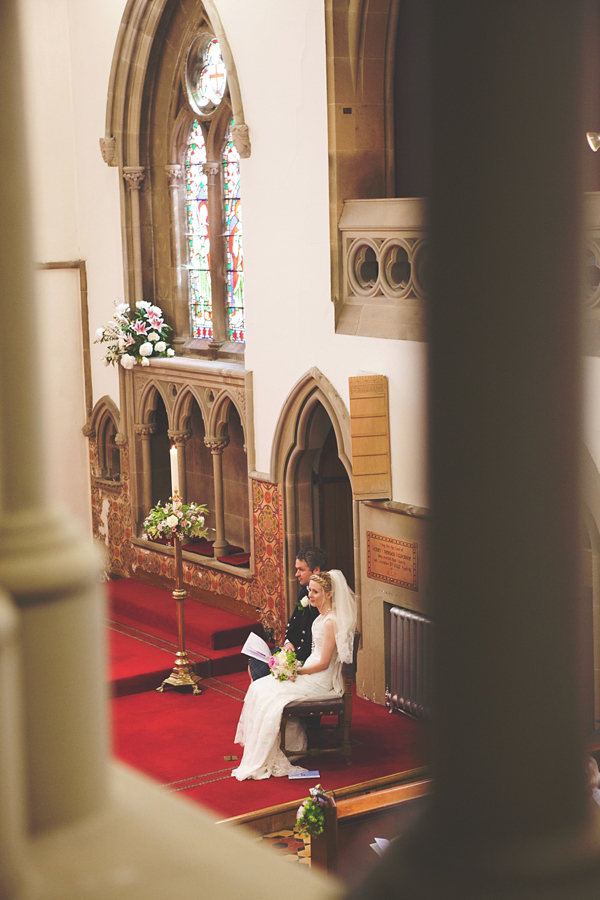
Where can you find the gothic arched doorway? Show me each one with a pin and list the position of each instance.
(333, 516)
(312, 461)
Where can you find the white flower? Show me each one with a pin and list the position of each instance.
(170, 352)
(153, 336)
(155, 309)
(127, 361)
(172, 521)
(100, 333)
(304, 601)
(143, 304)
(145, 362)
(146, 349)
(122, 308)
(161, 346)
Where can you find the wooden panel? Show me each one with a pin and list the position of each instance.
(370, 431)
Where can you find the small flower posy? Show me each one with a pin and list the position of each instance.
(175, 519)
(135, 339)
(310, 818)
(284, 665)
(302, 602)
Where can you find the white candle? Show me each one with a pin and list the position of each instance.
(174, 470)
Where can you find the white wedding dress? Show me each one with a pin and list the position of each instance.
(259, 724)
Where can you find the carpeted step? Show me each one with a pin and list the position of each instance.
(205, 626)
(141, 660)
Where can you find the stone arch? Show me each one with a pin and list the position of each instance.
(220, 414)
(147, 403)
(183, 408)
(140, 27)
(301, 424)
(105, 428)
(145, 128)
(103, 406)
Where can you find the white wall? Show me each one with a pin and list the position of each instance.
(67, 50)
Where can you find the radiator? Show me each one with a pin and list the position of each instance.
(409, 688)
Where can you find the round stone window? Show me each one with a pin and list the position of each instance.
(205, 75)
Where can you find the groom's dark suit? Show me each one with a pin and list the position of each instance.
(298, 633)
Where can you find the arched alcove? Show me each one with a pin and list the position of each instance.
(105, 426)
(159, 452)
(312, 412)
(235, 483)
(199, 467)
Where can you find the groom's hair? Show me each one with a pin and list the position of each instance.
(314, 557)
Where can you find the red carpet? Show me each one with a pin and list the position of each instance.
(182, 740)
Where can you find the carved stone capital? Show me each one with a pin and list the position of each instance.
(174, 175)
(134, 175)
(180, 438)
(108, 148)
(241, 139)
(88, 430)
(145, 430)
(121, 439)
(216, 444)
(211, 169)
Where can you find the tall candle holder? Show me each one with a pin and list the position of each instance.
(183, 674)
(176, 520)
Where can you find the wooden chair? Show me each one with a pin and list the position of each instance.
(313, 710)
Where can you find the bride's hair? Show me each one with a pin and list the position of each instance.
(324, 579)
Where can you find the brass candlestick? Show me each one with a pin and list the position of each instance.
(183, 674)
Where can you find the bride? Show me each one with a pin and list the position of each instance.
(319, 678)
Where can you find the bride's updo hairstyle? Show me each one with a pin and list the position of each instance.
(324, 579)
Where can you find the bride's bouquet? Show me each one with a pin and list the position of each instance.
(284, 665)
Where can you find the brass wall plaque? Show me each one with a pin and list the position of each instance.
(392, 560)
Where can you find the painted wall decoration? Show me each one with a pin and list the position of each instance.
(112, 526)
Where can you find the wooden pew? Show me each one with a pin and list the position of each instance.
(351, 824)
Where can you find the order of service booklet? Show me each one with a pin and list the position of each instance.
(256, 647)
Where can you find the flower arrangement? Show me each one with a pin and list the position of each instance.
(284, 665)
(134, 339)
(302, 602)
(310, 818)
(175, 519)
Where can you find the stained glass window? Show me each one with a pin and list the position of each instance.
(233, 242)
(198, 236)
(205, 75)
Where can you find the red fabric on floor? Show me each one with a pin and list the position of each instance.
(181, 740)
(207, 626)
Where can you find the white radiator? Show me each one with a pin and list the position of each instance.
(409, 688)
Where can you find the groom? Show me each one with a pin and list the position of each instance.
(298, 634)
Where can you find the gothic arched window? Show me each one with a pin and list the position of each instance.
(213, 201)
(203, 241)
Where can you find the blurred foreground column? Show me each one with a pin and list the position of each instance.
(46, 565)
(509, 816)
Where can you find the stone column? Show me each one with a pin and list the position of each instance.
(47, 566)
(134, 175)
(216, 447)
(144, 432)
(180, 438)
(181, 311)
(218, 263)
(13, 864)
